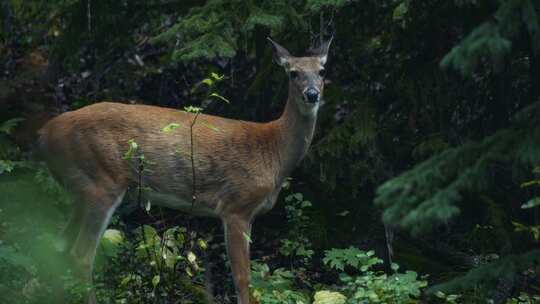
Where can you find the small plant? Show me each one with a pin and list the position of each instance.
(329, 297)
(296, 244)
(369, 285)
(533, 230)
(274, 287)
(10, 154)
(152, 266)
(524, 298)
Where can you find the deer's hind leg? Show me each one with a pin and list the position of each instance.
(96, 203)
(71, 230)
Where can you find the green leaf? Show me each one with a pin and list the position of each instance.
(132, 149)
(111, 241)
(209, 82)
(155, 280)
(202, 244)
(247, 237)
(535, 202)
(6, 166)
(400, 13)
(220, 97)
(329, 297)
(8, 126)
(530, 183)
(306, 204)
(217, 76)
(170, 127)
(192, 109)
(211, 126)
(191, 257)
(149, 236)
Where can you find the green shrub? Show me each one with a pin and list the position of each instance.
(274, 287)
(369, 285)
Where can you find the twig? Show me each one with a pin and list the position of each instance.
(194, 179)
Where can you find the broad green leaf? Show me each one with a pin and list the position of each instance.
(111, 242)
(329, 297)
(170, 127)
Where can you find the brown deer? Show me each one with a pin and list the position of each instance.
(239, 166)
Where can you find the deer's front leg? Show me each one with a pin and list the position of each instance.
(237, 231)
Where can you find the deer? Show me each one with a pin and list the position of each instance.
(239, 165)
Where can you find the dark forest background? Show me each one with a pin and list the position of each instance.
(426, 154)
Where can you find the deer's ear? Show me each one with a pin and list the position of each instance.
(322, 50)
(281, 55)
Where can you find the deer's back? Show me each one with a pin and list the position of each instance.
(233, 160)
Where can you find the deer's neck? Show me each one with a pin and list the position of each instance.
(295, 131)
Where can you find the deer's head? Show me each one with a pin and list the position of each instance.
(306, 76)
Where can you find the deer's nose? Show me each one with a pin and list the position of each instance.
(312, 95)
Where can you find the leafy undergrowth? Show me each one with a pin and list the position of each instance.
(146, 265)
(158, 263)
(149, 265)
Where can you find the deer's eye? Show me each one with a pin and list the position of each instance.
(322, 72)
(294, 74)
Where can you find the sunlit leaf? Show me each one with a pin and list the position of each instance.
(192, 109)
(132, 149)
(344, 213)
(155, 280)
(202, 244)
(220, 97)
(148, 206)
(247, 237)
(170, 127)
(191, 257)
(535, 202)
(530, 183)
(329, 297)
(212, 127)
(209, 82)
(217, 76)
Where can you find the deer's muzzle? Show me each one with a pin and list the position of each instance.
(312, 95)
